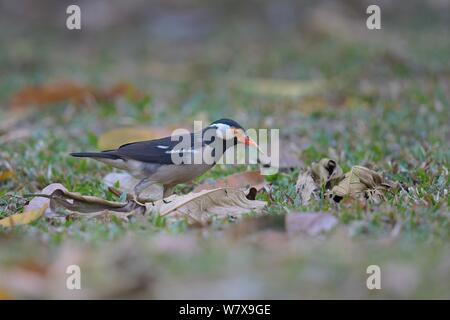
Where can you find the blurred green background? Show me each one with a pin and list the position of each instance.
(378, 98)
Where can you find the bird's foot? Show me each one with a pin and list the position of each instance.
(142, 201)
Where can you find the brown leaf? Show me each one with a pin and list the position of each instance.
(238, 180)
(326, 172)
(362, 181)
(89, 206)
(222, 202)
(66, 91)
(311, 224)
(52, 93)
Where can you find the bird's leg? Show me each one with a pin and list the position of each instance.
(141, 186)
(168, 190)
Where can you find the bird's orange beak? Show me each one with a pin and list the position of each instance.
(245, 139)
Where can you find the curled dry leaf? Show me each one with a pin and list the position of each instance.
(326, 172)
(117, 137)
(222, 202)
(37, 207)
(358, 181)
(311, 224)
(89, 204)
(306, 187)
(38, 202)
(362, 181)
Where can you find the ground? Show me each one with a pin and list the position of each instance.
(334, 89)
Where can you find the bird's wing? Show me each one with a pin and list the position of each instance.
(157, 151)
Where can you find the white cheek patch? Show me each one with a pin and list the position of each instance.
(163, 147)
(224, 131)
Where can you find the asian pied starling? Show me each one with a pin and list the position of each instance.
(158, 161)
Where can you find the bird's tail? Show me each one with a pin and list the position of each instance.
(103, 154)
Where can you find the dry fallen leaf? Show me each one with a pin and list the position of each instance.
(91, 207)
(362, 181)
(306, 187)
(311, 224)
(78, 203)
(66, 91)
(52, 93)
(358, 181)
(222, 202)
(326, 172)
(23, 218)
(39, 202)
(238, 180)
(117, 137)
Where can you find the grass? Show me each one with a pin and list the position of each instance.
(390, 116)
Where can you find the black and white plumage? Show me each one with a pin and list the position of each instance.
(157, 161)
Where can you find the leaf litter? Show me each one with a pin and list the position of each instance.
(359, 181)
(198, 207)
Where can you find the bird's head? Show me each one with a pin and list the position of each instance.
(227, 129)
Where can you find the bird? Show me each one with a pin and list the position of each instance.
(170, 161)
